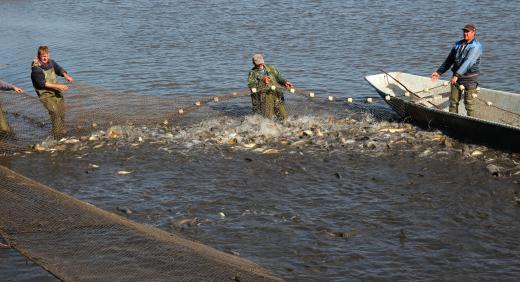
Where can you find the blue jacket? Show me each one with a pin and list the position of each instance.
(465, 58)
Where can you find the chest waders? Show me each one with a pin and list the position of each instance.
(470, 88)
(52, 100)
(273, 104)
(269, 102)
(4, 124)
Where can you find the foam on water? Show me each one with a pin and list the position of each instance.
(307, 133)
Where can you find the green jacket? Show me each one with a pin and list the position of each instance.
(255, 76)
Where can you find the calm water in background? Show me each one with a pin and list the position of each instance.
(460, 222)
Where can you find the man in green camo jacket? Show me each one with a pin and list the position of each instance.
(266, 98)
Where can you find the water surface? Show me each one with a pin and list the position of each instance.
(355, 203)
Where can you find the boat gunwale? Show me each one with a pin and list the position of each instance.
(489, 122)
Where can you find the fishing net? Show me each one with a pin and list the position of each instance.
(90, 108)
(74, 240)
(77, 241)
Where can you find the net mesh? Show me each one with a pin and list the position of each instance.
(89, 108)
(74, 240)
(77, 241)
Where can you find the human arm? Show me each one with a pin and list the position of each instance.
(445, 66)
(38, 79)
(279, 78)
(277, 75)
(7, 86)
(56, 86)
(251, 80)
(62, 72)
(67, 77)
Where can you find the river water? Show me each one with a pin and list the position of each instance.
(335, 193)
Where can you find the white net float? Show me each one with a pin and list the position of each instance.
(311, 94)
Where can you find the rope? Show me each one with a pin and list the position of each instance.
(491, 105)
(410, 91)
(312, 96)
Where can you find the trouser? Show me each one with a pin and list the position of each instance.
(469, 101)
(256, 103)
(273, 104)
(56, 106)
(4, 124)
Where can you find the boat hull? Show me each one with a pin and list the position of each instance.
(468, 129)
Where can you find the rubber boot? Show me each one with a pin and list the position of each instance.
(454, 99)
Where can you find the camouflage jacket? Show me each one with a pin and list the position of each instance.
(255, 77)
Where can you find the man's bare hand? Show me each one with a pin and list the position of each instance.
(435, 76)
(68, 77)
(62, 87)
(454, 79)
(266, 80)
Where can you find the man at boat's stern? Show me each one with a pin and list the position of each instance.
(464, 60)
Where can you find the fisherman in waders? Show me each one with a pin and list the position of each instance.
(266, 98)
(44, 78)
(465, 58)
(5, 129)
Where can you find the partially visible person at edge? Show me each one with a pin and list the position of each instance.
(264, 100)
(44, 78)
(465, 58)
(5, 129)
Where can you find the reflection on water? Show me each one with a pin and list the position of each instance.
(334, 193)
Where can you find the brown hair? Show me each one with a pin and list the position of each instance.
(43, 50)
